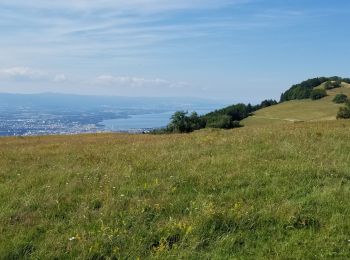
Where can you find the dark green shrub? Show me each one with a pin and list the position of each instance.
(318, 94)
(332, 84)
(182, 123)
(303, 89)
(222, 121)
(336, 84)
(344, 112)
(266, 103)
(328, 85)
(237, 112)
(340, 98)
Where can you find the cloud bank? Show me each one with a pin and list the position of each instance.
(137, 82)
(22, 73)
(30, 74)
(26, 74)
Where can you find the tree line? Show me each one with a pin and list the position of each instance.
(306, 89)
(230, 117)
(226, 118)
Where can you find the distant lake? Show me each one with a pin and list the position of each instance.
(142, 122)
(54, 114)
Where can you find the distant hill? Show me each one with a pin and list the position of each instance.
(303, 89)
(300, 109)
(310, 100)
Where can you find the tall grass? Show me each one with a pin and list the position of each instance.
(272, 192)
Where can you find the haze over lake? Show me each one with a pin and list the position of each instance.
(46, 114)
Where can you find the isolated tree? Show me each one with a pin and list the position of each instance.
(340, 98)
(179, 122)
(182, 123)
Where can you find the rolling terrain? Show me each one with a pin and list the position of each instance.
(299, 110)
(274, 192)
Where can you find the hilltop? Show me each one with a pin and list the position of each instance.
(300, 109)
(310, 100)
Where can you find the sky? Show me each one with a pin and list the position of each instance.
(241, 50)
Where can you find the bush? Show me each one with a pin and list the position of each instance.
(340, 98)
(318, 94)
(222, 121)
(332, 84)
(344, 112)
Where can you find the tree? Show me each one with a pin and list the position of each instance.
(268, 103)
(178, 122)
(318, 94)
(222, 121)
(182, 123)
(328, 85)
(332, 84)
(303, 90)
(196, 122)
(340, 98)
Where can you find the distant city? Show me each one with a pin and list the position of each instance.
(56, 114)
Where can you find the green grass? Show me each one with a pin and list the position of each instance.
(274, 192)
(299, 110)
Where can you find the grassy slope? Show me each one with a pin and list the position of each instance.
(299, 110)
(270, 192)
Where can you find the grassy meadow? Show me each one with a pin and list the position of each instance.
(261, 192)
(299, 110)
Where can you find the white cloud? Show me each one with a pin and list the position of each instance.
(136, 6)
(30, 74)
(137, 82)
(76, 29)
(22, 73)
(26, 74)
(60, 78)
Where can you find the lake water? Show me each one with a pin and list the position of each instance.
(142, 122)
(54, 114)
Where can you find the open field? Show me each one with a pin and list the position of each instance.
(274, 192)
(299, 110)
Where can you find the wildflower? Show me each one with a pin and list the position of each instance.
(72, 238)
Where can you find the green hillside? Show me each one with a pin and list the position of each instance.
(299, 110)
(274, 192)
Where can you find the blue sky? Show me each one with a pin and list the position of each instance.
(242, 50)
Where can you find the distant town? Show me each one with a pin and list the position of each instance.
(47, 114)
